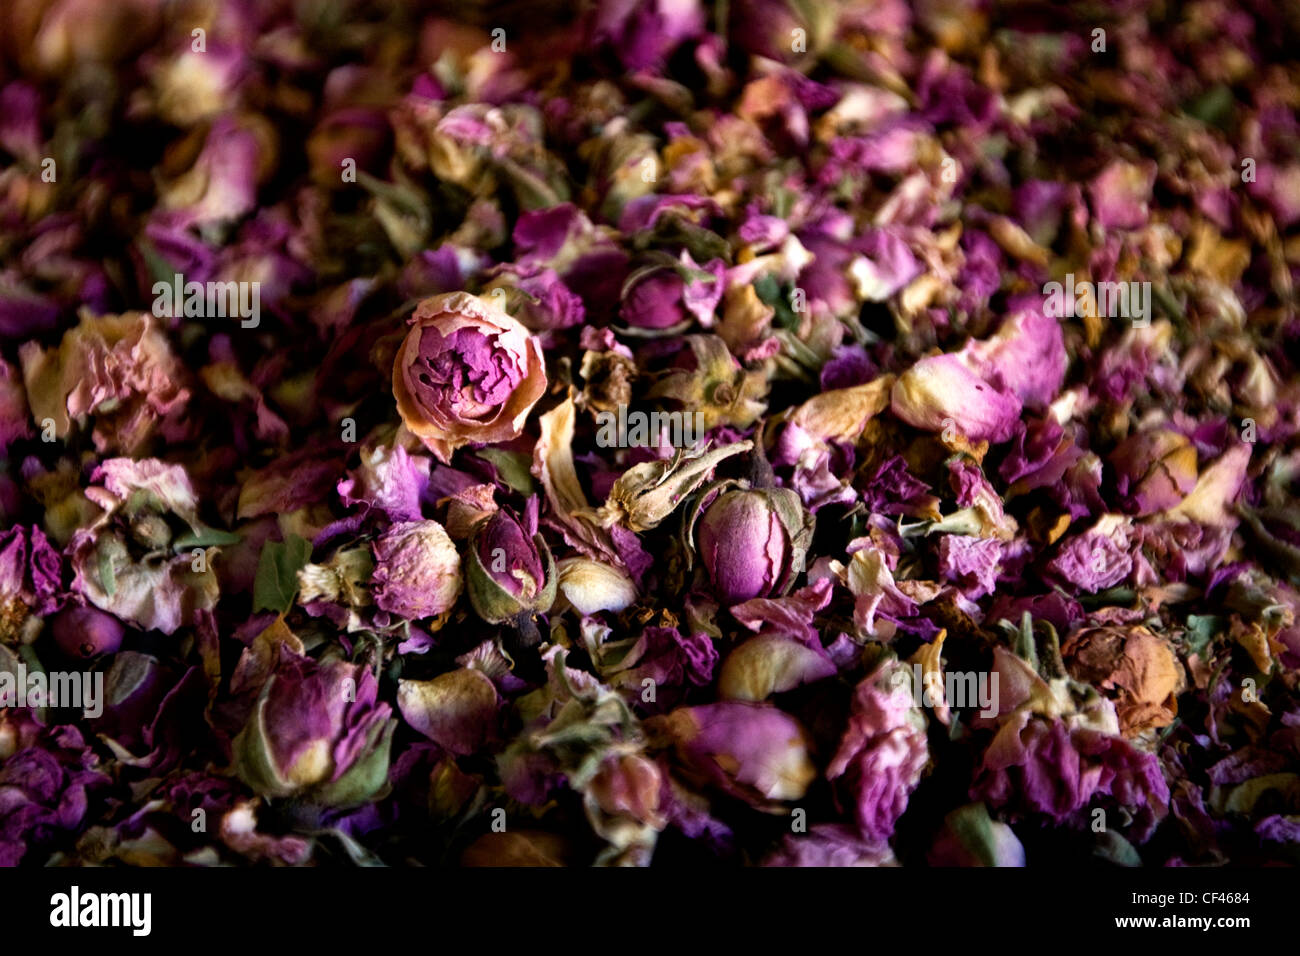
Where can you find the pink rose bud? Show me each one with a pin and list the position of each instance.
(467, 373)
(87, 632)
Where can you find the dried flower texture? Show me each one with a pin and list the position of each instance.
(843, 433)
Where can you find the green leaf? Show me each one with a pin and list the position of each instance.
(1214, 107)
(1113, 848)
(160, 270)
(512, 467)
(783, 201)
(771, 292)
(703, 244)
(277, 573)
(768, 289)
(107, 576)
(139, 500)
(1201, 629)
(1023, 644)
(973, 828)
(786, 317)
(205, 538)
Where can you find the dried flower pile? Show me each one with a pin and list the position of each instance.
(770, 432)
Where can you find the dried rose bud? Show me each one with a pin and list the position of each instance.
(509, 568)
(655, 301)
(86, 632)
(608, 375)
(1154, 470)
(619, 160)
(667, 292)
(753, 542)
(343, 579)
(318, 733)
(50, 778)
(466, 373)
(646, 494)
(455, 148)
(417, 570)
(718, 388)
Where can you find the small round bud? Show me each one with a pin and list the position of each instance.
(87, 632)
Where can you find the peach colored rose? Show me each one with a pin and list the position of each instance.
(467, 373)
